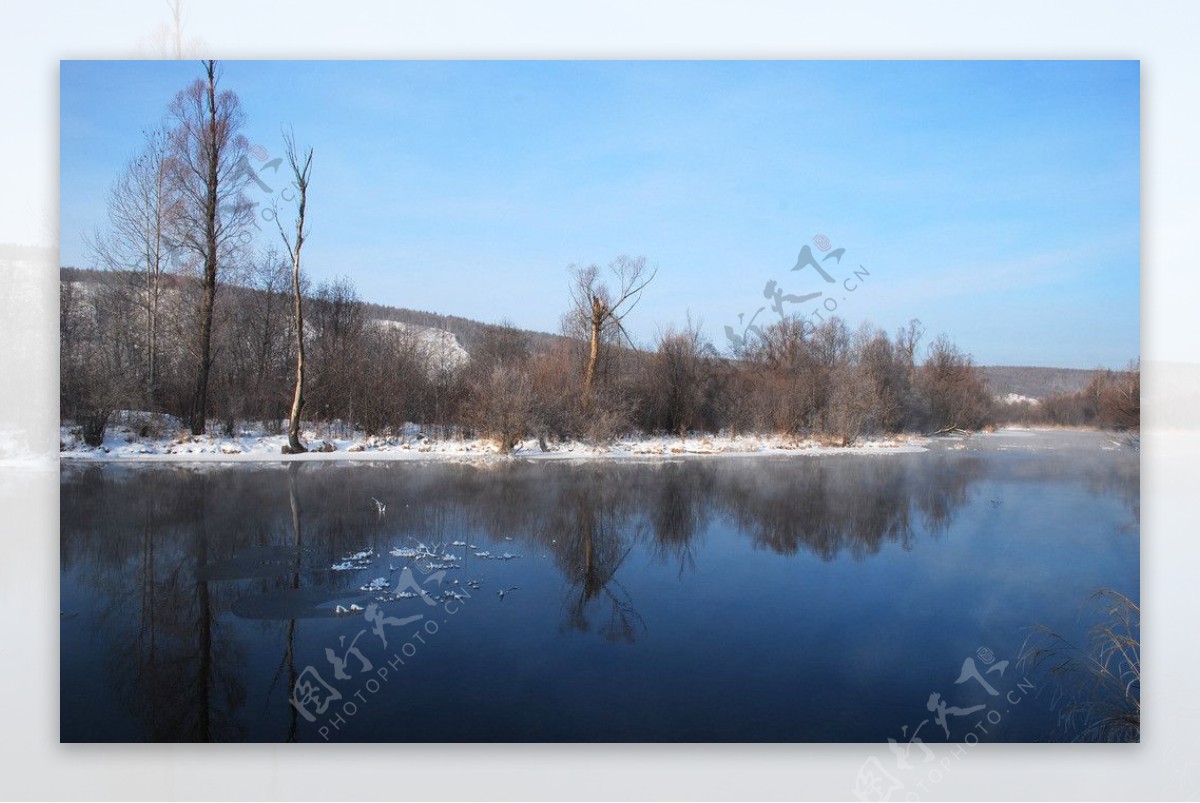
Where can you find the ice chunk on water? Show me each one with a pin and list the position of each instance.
(378, 584)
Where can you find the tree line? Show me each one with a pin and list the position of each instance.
(1111, 400)
(372, 376)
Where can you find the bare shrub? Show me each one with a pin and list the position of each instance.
(502, 404)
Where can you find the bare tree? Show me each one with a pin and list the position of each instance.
(301, 171)
(599, 309)
(502, 403)
(167, 40)
(338, 349)
(210, 175)
(678, 381)
(253, 335)
(908, 338)
(141, 206)
(98, 359)
(1117, 397)
(956, 390)
(851, 403)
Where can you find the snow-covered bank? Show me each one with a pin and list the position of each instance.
(123, 442)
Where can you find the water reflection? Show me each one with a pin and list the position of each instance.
(199, 594)
(168, 658)
(591, 516)
(853, 507)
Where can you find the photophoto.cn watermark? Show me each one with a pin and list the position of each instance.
(353, 678)
(911, 776)
(824, 303)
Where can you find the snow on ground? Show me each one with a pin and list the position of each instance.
(124, 441)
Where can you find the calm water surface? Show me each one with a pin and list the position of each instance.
(712, 599)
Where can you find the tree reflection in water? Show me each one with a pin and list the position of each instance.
(592, 521)
(175, 669)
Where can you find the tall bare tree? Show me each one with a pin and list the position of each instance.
(210, 175)
(141, 212)
(301, 172)
(599, 309)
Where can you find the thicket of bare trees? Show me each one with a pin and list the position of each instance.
(1111, 400)
(100, 366)
(373, 375)
(958, 396)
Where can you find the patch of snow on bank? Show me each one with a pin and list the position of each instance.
(130, 438)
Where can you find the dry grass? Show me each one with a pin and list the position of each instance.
(1098, 684)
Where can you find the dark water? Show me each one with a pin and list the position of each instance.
(729, 599)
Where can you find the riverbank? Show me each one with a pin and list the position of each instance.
(132, 442)
(123, 442)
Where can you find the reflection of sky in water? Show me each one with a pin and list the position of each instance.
(730, 599)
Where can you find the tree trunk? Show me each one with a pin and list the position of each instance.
(213, 157)
(204, 363)
(298, 395)
(597, 324)
(152, 389)
(149, 333)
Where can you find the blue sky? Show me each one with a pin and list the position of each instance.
(996, 201)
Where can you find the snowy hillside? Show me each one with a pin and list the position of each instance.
(439, 348)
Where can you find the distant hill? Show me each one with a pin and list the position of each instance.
(469, 333)
(1035, 383)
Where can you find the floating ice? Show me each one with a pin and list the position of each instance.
(502, 556)
(378, 584)
(355, 560)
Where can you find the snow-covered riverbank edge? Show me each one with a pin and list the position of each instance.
(122, 444)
